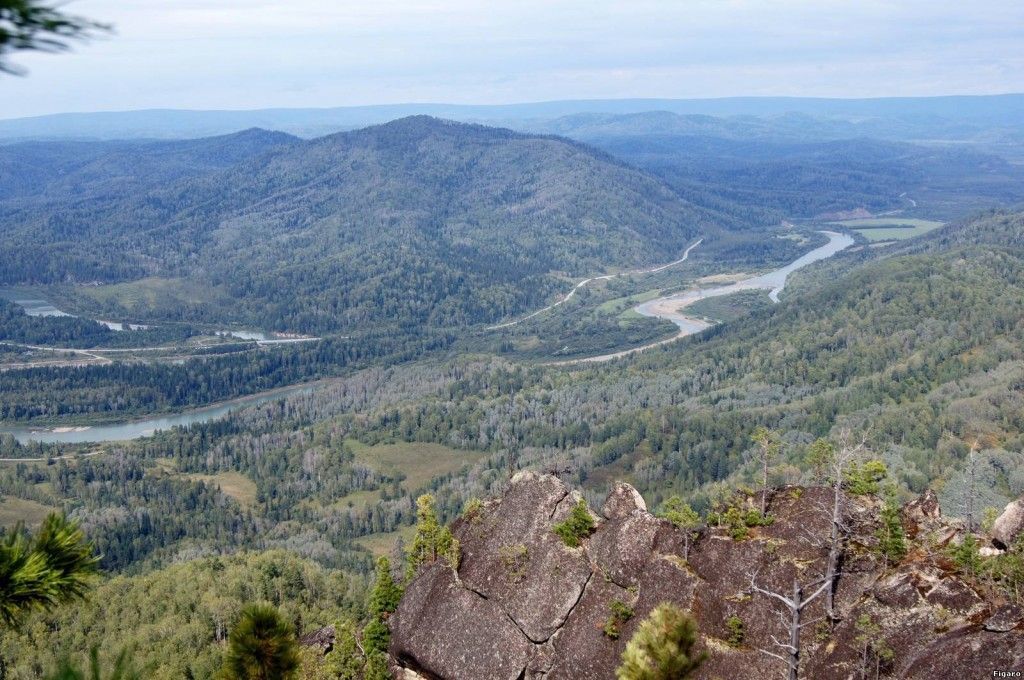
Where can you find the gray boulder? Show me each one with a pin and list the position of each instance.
(1009, 526)
(440, 620)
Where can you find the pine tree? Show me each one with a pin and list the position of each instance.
(41, 572)
(662, 647)
(261, 646)
(432, 540)
(892, 543)
(43, 26)
(820, 456)
(675, 510)
(386, 593)
(768, 448)
(123, 669)
(384, 600)
(344, 661)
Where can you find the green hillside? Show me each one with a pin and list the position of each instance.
(419, 221)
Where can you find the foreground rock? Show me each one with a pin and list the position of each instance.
(1009, 526)
(524, 605)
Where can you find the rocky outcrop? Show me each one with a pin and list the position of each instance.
(522, 604)
(1009, 526)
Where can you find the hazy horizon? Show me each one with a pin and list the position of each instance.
(515, 103)
(248, 54)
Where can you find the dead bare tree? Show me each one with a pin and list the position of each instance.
(768, 448)
(794, 605)
(850, 451)
(972, 482)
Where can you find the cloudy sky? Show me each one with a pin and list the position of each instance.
(240, 54)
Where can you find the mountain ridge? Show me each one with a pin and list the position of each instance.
(485, 218)
(187, 123)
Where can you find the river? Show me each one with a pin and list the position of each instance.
(671, 307)
(144, 428)
(37, 306)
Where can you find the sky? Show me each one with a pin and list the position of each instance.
(245, 54)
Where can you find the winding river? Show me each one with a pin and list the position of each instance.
(671, 307)
(143, 428)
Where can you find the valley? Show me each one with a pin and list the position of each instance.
(321, 331)
(671, 307)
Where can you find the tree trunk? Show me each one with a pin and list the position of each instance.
(764, 484)
(833, 553)
(972, 489)
(794, 633)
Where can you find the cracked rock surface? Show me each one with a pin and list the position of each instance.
(524, 605)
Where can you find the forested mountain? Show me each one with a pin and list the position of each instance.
(802, 167)
(95, 170)
(419, 221)
(920, 349)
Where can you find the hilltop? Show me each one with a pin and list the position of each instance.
(418, 221)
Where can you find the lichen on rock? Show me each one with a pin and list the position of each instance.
(522, 604)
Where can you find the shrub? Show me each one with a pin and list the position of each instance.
(621, 612)
(892, 542)
(754, 518)
(577, 526)
(863, 479)
(471, 511)
(966, 556)
(735, 626)
(514, 557)
(662, 648)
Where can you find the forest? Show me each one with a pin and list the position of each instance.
(415, 238)
(418, 222)
(917, 346)
(672, 420)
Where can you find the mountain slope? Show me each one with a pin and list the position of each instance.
(791, 165)
(91, 168)
(417, 221)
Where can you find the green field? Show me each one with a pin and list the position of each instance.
(626, 303)
(890, 228)
(419, 462)
(383, 544)
(231, 483)
(149, 294)
(730, 307)
(14, 510)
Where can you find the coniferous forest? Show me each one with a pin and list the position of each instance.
(424, 308)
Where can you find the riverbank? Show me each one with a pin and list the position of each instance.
(671, 307)
(67, 431)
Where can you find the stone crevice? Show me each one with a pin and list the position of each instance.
(937, 623)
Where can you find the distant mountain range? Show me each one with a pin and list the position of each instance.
(948, 117)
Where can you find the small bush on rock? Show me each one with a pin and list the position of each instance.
(577, 526)
(621, 612)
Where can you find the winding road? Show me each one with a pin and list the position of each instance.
(606, 277)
